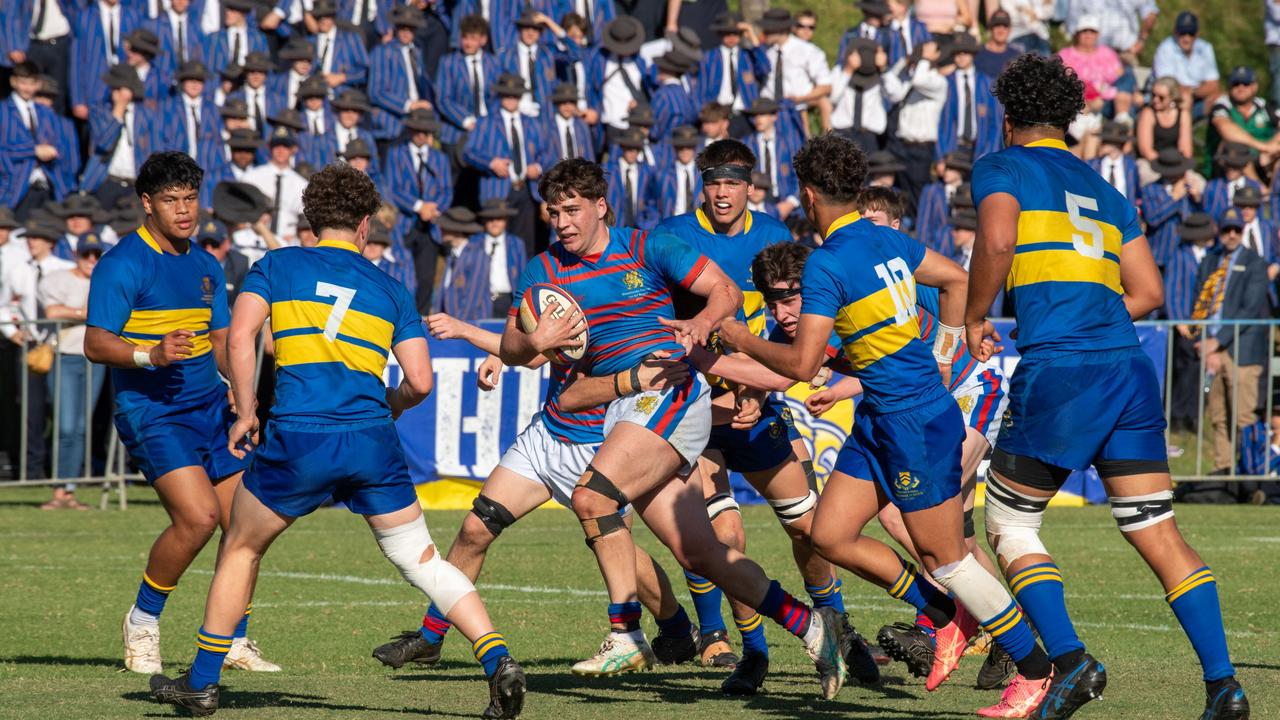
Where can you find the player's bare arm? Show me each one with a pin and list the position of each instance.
(250, 313)
(723, 300)
(953, 285)
(1140, 278)
(106, 348)
(799, 360)
(740, 369)
(520, 348)
(992, 258)
(657, 373)
(444, 326)
(415, 365)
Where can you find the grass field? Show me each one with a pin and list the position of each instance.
(326, 597)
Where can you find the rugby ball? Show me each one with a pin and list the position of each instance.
(535, 301)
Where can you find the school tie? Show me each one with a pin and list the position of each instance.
(517, 162)
(38, 26)
(733, 72)
(195, 129)
(235, 47)
(777, 76)
(531, 64)
(182, 39)
(324, 55)
(857, 108)
(422, 173)
(629, 188)
(112, 46)
(275, 211)
(570, 152)
(768, 158)
(966, 98)
(417, 71)
(476, 99)
(688, 190)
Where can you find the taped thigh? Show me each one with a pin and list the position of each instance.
(790, 510)
(1138, 512)
(1013, 520)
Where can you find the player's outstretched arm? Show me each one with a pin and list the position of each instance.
(800, 360)
(1140, 278)
(657, 372)
(723, 300)
(416, 382)
(992, 258)
(106, 348)
(444, 326)
(247, 319)
(740, 369)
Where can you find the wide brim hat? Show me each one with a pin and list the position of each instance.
(193, 70)
(79, 205)
(257, 62)
(672, 64)
(1236, 155)
(234, 108)
(509, 85)
(631, 139)
(564, 92)
(422, 120)
(776, 20)
(1171, 163)
(1197, 226)
(406, 16)
(238, 202)
(352, 100)
(297, 49)
(378, 235)
(1247, 196)
(143, 41)
(1114, 133)
(883, 162)
(324, 8)
(623, 36)
(288, 118)
(357, 148)
(726, 23)
(244, 140)
(875, 8)
(458, 220)
(963, 218)
(7, 220)
(123, 75)
(241, 5)
(495, 209)
(685, 136)
(528, 18)
(40, 228)
(641, 115)
(49, 87)
(313, 87)
(762, 106)
(957, 160)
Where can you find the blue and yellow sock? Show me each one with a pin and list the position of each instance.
(242, 627)
(828, 595)
(1195, 603)
(676, 626)
(781, 607)
(489, 649)
(752, 630)
(626, 614)
(706, 603)
(1038, 589)
(434, 625)
(911, 588)
(1011, 632)
(211, 650)
(152, 596)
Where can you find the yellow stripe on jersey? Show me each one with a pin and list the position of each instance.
(316, 348)
(295, 314)
(753, 310)
(705, 223)
(1063, 263)
(877, 309)
(158, 323)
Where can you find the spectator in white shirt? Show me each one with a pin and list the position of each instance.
(857, 95)
(1029, 24)
(281, 184)
(799, 71)
(245, 210)
(1191, 60)
(915, 83)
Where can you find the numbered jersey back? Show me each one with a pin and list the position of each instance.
(334, 319)
(1065, 280)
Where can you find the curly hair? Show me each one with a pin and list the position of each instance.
(167, 171)
(726, 152)
(1037, 90)
(833, 166)
(339, 197)
(779, 263)
(573, 177)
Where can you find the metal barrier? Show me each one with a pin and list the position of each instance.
(116, 472)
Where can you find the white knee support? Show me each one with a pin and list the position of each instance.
(720, 503)
(980, 593)
(1013, 521)
(443, 583)
(790, 510)
(1142, 511)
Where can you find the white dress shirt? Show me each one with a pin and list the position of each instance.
(526, 52)
(565, 125)
(27, 111)
(632, 171)
(344, 136)
(767, 146)
(902, 28)
(233, 32)
(616, 97)
(325, 43)
(495, 246)
(922, 94)
(419, 154)
(730, 60)
(804, 67)
(211, 18)
(191, 111)
(475, 69)
(56, 24)
(507, 119)
(109, 17)
(405, 56)
(123, 163)
(295, 82)
(249, 243)
(844, 99)
(965, 87)
(1112, 170)
(256, 98)
(314, 121)
(19, 285)
(685, 176)
(1252, 238)
(292, 186)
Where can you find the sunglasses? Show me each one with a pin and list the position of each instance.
(1232, 231)
(1154, 96)
(806, 27)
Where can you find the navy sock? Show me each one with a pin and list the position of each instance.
(626, 614)
(752, 630)
(1038, 589)
(489, 649)
(152, 596)
(779, 605)
(242, 627)
(676, 626)
(828, 595)
(910, 587)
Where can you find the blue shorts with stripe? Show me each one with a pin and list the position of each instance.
(913, 454)
(1070, 409)
(300, 465)
(162, 439)
(763, 446)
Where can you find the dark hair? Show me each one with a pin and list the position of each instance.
(25, 69)
(779, 263)
(806, 14)
(726, 152)
(833, 166)
(714, 112)
(573, 177)
(573, 19)
(473, 25)
(166, 171)
(1037, 90)
(884, 199)
(339, 197)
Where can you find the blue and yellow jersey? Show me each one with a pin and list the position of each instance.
(962, 363)
(1065, 279)
(862, 277)
(334, 319)
(834, 354)
(733, 253)
(142, 293)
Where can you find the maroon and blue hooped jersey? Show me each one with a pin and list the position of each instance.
(576, 428)
(623, 291)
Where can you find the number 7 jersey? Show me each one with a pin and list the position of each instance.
(1065, 280)
(334, 319)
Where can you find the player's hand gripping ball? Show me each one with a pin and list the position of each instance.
(563, 341)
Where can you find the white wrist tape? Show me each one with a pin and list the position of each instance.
(946, 342)
(142, 358)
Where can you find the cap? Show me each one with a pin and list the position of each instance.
(1242, 75)
(1230, 218)
(1186, 24)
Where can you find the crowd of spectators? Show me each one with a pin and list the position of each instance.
(456, 107)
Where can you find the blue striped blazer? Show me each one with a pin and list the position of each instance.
(544, 79)
(381, 21)
(897, 50)
(453, 92)
(1163, 215)
(467, 297)
(1216, 197)
(646, 195)
(194, 39)
(1180, 287)
(18, 152)
(855, 32)
(602, 11)
(489, 140)
(15, 25)
(786, 144)
(400, 187)
(753, 68)
(583, 142)
(349, 57)
(1132, 183)
(669, 191)
(989, 133)
(217, 50)
(931, 212)
(89, 53)
(105, 130)
(389, 87)
(502, 21)
(672, 107)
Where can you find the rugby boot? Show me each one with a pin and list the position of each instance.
(949, 644)
(617, 654)
(1072, 688)
(748, 676)
(715, 650)
(1228, 703)
(506, 690)
(141, 647)
(996, 669)
(908, 644)
(245, 655)
(675, 650)
(822, 643)
(1020, 699)
(857, 655)
(408, 646)
(178, 691)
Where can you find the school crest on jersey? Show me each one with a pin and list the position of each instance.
(206, 289)
(966, 403)
(647, 404)
(632, 280)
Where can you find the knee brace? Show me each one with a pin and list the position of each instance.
(440, 581)
(1142, 511)
(598, 527)
(1013, 519)
(721, 503)
(495, 517)
(792, 509)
